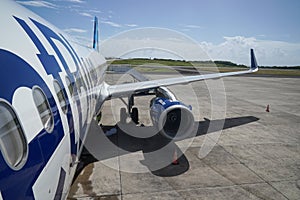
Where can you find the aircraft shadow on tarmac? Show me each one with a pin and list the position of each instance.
(126, 143)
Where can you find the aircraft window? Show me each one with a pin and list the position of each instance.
(70, 86)
(43, 107)
(13, 143)
(82, 81)
(61, 97)
(78, 84)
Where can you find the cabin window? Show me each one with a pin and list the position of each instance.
(13, 143)
(80, 83)
(43, 107)
(70, 86)
(61, 97)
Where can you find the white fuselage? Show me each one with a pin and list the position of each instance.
(36, 58)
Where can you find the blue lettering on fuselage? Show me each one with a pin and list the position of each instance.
(52, 67)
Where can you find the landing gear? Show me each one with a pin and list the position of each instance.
(134, 115)
(132, 112)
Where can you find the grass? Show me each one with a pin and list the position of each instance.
(141, 64)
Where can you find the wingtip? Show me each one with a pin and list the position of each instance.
(254, 66)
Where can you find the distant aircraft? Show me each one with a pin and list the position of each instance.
(50, 90)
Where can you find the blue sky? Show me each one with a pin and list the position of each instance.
(271, 26)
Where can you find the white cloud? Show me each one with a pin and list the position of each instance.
(95, 11)
(76, 1)
(85, 14)
(152, 42)
(75, 30)
(71, 1)
(131, 25)
(38, 3)
(192, 26)
(268, 52)
(113, 24)
(156, 42)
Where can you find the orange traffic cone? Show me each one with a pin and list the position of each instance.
(268, 108)
(175, 159)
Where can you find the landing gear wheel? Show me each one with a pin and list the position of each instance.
(135, 115)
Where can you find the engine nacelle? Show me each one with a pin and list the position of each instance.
(173, 119)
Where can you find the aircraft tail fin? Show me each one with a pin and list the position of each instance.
(254, 66)
(96, 35)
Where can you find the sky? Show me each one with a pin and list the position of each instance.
(224, 29)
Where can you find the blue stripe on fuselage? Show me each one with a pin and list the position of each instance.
(15, 73)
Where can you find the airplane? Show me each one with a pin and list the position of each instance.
(51, 89)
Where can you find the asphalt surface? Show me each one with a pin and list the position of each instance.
(238, 151)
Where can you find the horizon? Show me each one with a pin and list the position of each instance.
(226, 30)
(204, 61)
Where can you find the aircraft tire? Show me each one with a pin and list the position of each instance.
(135, 115)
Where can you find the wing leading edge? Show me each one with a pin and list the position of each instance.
(130, 88)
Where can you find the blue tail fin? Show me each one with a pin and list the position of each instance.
(254, 66)
(96, 36)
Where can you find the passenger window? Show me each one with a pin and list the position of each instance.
(61, 97)
(43, 107)
(79, 83)
(13, 143)
(70, 86)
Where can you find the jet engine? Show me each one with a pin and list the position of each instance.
(173, 119)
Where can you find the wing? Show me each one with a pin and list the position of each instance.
(130, 88)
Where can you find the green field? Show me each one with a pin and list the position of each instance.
(218, 66)
(264, 71)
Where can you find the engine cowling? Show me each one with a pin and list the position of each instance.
(173, 119)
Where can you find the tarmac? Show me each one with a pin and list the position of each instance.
(239, 150)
